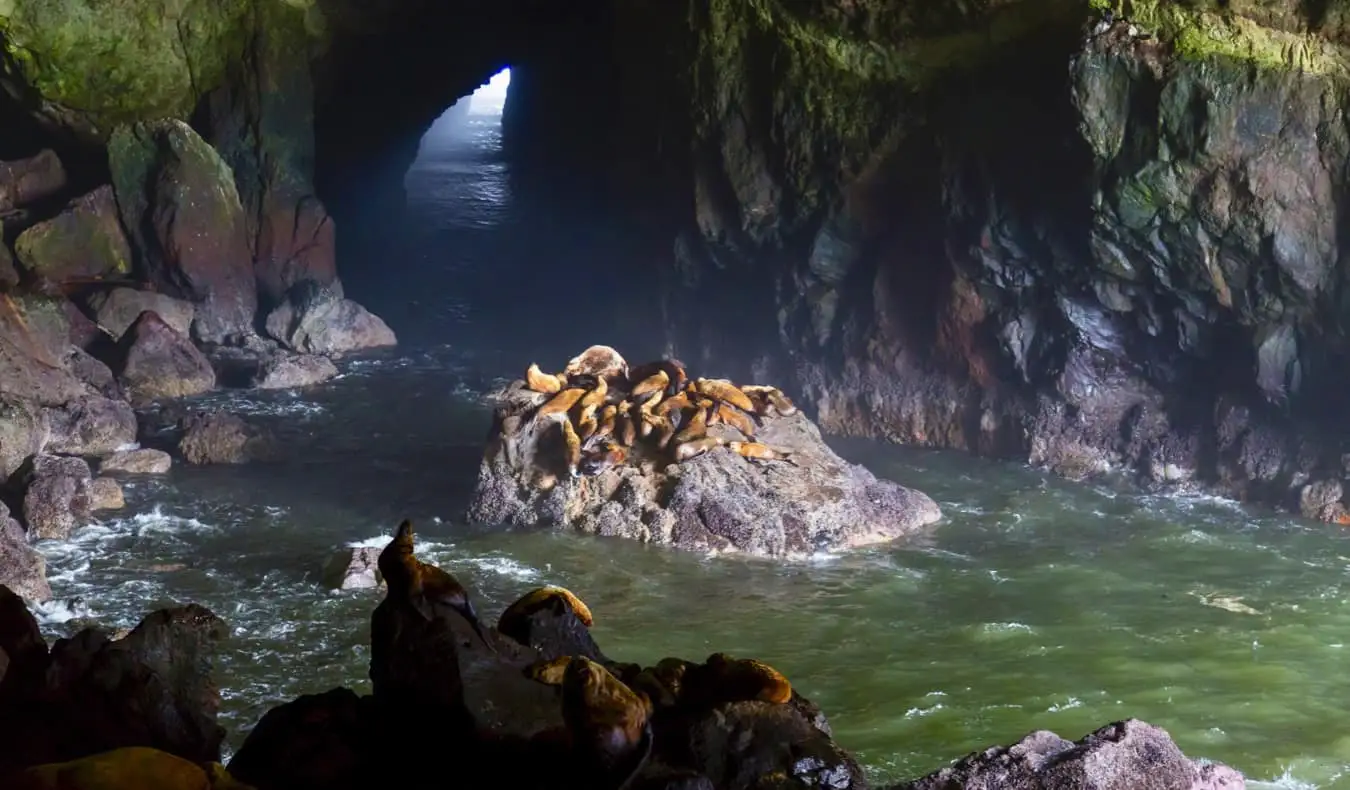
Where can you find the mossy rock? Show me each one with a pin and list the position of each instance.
(100, 63)
(84, 241)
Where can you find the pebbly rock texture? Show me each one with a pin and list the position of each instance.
(90, 694)
(1126, 754)
(718, 501)
(22, 568)
(56, 495)
(90, 426)
(84, 242)
(179, 201)
(105, 493)
(218, 437)
(157, 362)
(141, 461)
(354, 569)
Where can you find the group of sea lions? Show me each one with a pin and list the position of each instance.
(607, 708)
(603, 408)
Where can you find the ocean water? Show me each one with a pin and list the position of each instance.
(1036, 603)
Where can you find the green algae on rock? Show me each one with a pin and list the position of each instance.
(84, 241)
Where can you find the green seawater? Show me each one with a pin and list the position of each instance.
(1036, 603)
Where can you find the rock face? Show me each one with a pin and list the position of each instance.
(179, 200)
(160, 363)
(1125, 754)
(22, 569)
(91, 694)
(717, 501)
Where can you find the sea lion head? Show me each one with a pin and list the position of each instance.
(605, 455)
(394, 559)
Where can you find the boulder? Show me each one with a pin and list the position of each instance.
(716, 501)
(221, 438)
(22, 568)
(1119, 756)
(354, 568)
(81, 243)
(116, 310)
(179, 200)
(24, 430)
(332, 730)
(158, 362)
(317, 319)
(56, 495)
(27, 181)
(105, 493)
(141, 461)
(92, 371)
(285, 370)
(92, 694)
(34, 339)
(90, 426)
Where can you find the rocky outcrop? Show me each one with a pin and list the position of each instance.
(777, 491)
(1124, 754)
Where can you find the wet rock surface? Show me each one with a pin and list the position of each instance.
(217, 437)
(715, 501)
(141, 461)
(353, 569)
(55, 493)
(22, 568)
(158, 362)
(318, 319)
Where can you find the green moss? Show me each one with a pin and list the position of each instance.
(100, 63)
(1207, 32)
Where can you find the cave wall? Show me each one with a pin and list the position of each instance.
(1098, 244)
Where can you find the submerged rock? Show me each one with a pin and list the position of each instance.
(142, 461)
(1126, 754)
(218, 437)
(717, 501)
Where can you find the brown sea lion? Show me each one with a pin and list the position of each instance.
(602, 714)
(697, 425)
(761, 452)
(676, 378)
(127, 768)
(739, 679)
(690, 450)
(768, 398)
(725, 391)
(513, 618)
(605, 454)
(539, 381)
(572, 443)
(560, 403)
(423, 585)
(730, 415)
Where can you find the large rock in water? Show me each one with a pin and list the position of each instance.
(22, 568)
(1122, 756)
(160, 363)
(717, 501)
(318, 319)
(179, 201)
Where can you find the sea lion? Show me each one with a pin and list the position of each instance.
(725, 391)
(512, 621)
(126, 768)
(539, 381)
(741, 679)
(761, 452)
(675, 403)
(696, 427)
(609, 417)
(560, 403)
(604, 455)
(730, 415)
(685, 452)
(549, 672)
(572, 443)
(676, 377)
(652, 385)
(767, 397)
(603, 715)
(598, 361)
(625, 428)
(423, 585)
(595, 398)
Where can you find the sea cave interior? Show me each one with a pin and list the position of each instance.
(978, 367)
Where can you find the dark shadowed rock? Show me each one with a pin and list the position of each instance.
(21, 645)
(116, 310)
(22, 568)
(9, 273)
(221, 438)
(179, 201)
(152, 688)
(285, 370)
(158, 362)
(83, 242)
(717, 501)
(91, 426)
(92, 371)
(105, 493)
(142, 461)
(25, 181)
(316, 319)
(1126, 755)
(56, 496)
(315, 742)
